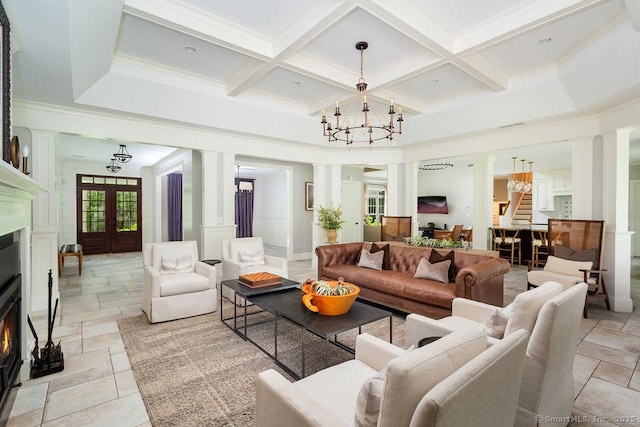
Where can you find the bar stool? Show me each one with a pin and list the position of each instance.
(539, 244)
(502, 242)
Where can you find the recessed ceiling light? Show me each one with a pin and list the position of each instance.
(295, 83)
(545, 40)
(77, 156)
(190, 49)
(434, 81)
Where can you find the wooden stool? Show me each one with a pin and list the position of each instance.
(69, 250)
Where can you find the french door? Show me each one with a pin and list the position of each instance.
(109, 214)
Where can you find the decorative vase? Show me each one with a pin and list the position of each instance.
(332, 236)
(329, 305)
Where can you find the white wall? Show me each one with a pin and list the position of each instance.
(270, 213)
(456, 184)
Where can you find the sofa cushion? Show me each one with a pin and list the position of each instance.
(385, 249)
(247, 246)
(252, 258)
(172, 250)
(175, 284)
(438, 271)
(564, 266)
(369, 260)
(436, 257)
(496, 324)
(564, 252)
(527, 305)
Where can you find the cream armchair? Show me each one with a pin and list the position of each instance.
(547, 382)
(386, 386)
(246, 255)
(176, 284)
(466, 313)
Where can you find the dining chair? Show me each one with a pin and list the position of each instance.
(502, 242)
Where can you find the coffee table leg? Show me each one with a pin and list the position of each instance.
(303, 353)
(245, 319)
(391, 328)
(275, 339)
(326, 351)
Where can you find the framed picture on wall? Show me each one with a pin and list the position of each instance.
(308, 196)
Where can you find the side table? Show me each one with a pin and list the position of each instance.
(212, 261)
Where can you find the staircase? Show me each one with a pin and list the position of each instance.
(523, 210)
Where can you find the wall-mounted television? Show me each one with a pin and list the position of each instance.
(433, 204)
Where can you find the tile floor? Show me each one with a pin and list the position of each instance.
(97, 386)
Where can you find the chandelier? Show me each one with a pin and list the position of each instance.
(113, 166)
(122, 155)
(370, 126)
(523, 185)
(435, 166)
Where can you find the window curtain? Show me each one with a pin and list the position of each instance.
(244, 209)
(174, 206)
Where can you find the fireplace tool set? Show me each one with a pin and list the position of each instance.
(49, 359)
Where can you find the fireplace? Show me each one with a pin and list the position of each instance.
(10, 316)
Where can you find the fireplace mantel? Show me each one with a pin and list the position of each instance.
(12, 177)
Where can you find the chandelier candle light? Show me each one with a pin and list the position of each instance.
(122, 155)
(361, 129)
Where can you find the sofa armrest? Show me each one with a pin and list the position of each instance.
(277, 262)
(152, 281)
(231, 269)
(342, 253)
(208, 271)
(375, 352)
(419, 326)
(488, 276)
(472, 310)
(281, 403)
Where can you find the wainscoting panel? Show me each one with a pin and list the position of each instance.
(274, 231)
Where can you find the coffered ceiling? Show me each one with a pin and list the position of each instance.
(269, 68)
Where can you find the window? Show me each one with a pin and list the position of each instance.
(375, 204)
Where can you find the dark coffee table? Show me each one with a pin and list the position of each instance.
(285, 302)
(288, 305)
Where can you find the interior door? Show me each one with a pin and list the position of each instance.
(351, 198)
(109, 215)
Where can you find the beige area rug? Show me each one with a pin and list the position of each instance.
(197, 372)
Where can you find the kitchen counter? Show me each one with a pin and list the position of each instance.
(524, 233)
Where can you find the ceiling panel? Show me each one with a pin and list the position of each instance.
(268, 18)
(386, 45)
(155, 43)
(285, 84)
(442, 82)
(529, 51)
(458, 16)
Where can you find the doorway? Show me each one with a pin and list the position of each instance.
(109, 214)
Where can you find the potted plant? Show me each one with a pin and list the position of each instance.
(331, 220)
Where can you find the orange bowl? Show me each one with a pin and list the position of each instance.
(329, 305)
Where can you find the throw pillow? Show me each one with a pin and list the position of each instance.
(369, 397)
(385, 249)
(438, 271)
(565, 266)
(179, 265)
(568, 253)
(496, 324)
(252, 258)
(436, 257)
(369, 260)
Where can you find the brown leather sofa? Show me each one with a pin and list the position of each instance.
(478, 277)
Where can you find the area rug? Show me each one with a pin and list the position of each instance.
(197, 372)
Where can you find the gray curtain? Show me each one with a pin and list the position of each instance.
(174, 206)
(244, 210)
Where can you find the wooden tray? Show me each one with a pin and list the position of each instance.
(259, 280)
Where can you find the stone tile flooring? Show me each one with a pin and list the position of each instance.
(97, 386)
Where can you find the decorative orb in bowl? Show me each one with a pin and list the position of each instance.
(330, 298)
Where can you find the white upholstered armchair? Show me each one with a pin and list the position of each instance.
(176, 284)
(246, 255)
(386, 386)
(547, 389)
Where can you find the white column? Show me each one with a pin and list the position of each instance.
(392, 197)
(584, 172)
(615, 203)
(44, 231)
(411, 196)
(320, 190)
(482, 214)
(218, 204)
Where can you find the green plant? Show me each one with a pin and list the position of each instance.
(436, 243)
(370, 220)
(330, 218)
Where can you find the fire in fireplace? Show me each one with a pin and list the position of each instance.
(10, 327)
